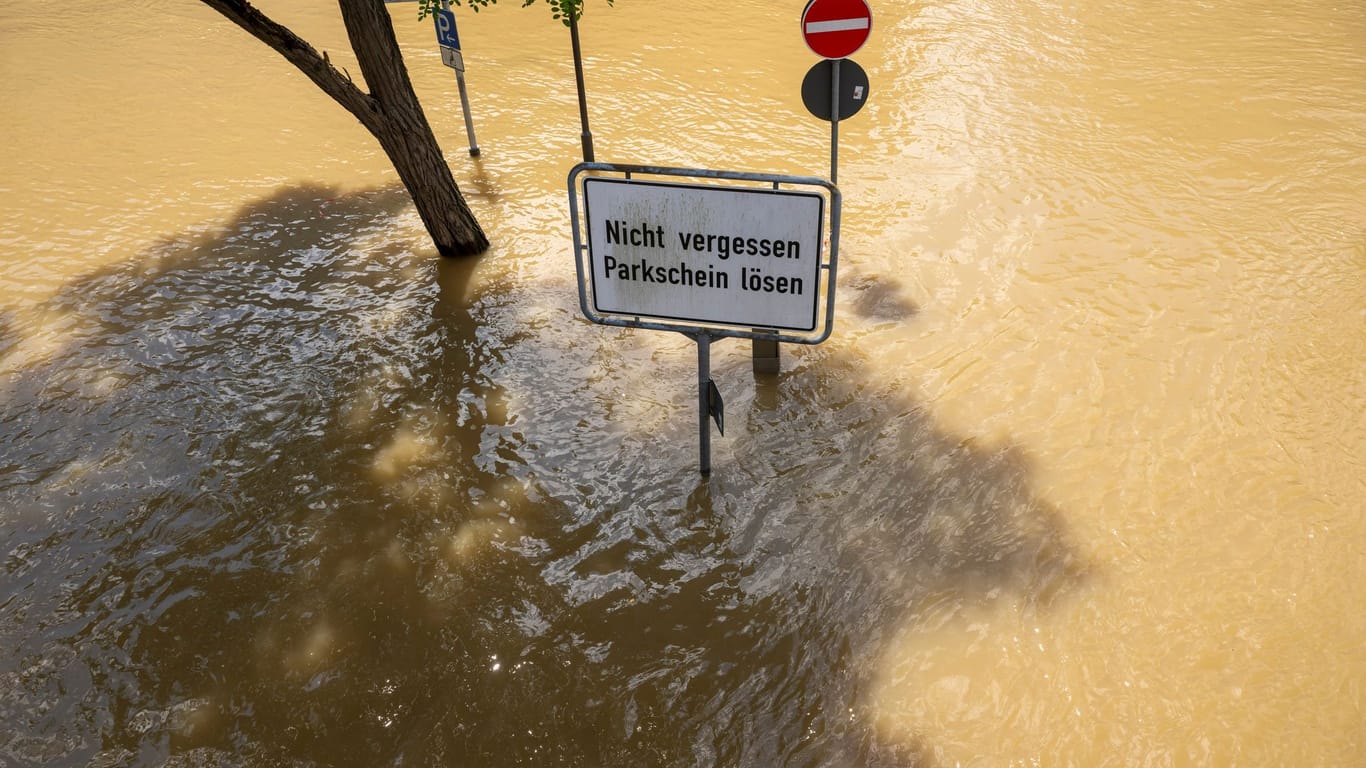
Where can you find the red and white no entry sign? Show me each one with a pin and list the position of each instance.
(834, 29)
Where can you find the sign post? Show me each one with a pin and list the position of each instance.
(835, 121)
(739, 256)
(585, 135)
(449, 41)
(705, 407)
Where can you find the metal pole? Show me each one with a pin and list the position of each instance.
(834, 120)
(586, 136)
(704, 400)
(465, 106)
(464, 99)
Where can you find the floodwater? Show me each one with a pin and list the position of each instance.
(1079, 479)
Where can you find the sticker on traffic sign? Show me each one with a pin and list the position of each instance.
(835, 29)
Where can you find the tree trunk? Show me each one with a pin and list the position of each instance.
(390, 111)
(402, 130)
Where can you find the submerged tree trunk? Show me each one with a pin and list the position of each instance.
(390, 111)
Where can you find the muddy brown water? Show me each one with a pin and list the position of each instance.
(1079, 479)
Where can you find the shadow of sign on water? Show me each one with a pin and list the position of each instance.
(294, 493)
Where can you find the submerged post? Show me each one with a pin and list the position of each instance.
(766, 356)
(449, 41)
(704, 386)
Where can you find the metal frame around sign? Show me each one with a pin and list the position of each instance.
(710, 330)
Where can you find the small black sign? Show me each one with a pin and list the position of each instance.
(716, 406)
(853, 88)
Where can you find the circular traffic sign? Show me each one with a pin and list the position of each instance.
(851, 93)
(835, 29)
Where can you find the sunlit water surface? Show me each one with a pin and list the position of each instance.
(1079, 479)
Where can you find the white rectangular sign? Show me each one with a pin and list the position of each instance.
(452, 58)
(743, 256)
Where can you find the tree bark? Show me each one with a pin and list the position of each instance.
(390, 111)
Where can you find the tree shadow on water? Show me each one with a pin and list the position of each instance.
(167, 348)
(6, 333)
(215, 416)
(750, 625)
(297, 492)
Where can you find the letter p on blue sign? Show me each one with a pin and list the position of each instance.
(445, 29)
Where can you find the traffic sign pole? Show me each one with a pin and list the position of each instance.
(835, 121)
(704, 387)
(834, 30)
(585, 136)
(465, 107)
(441, 37)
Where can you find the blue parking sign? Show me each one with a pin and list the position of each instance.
(445, 29)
